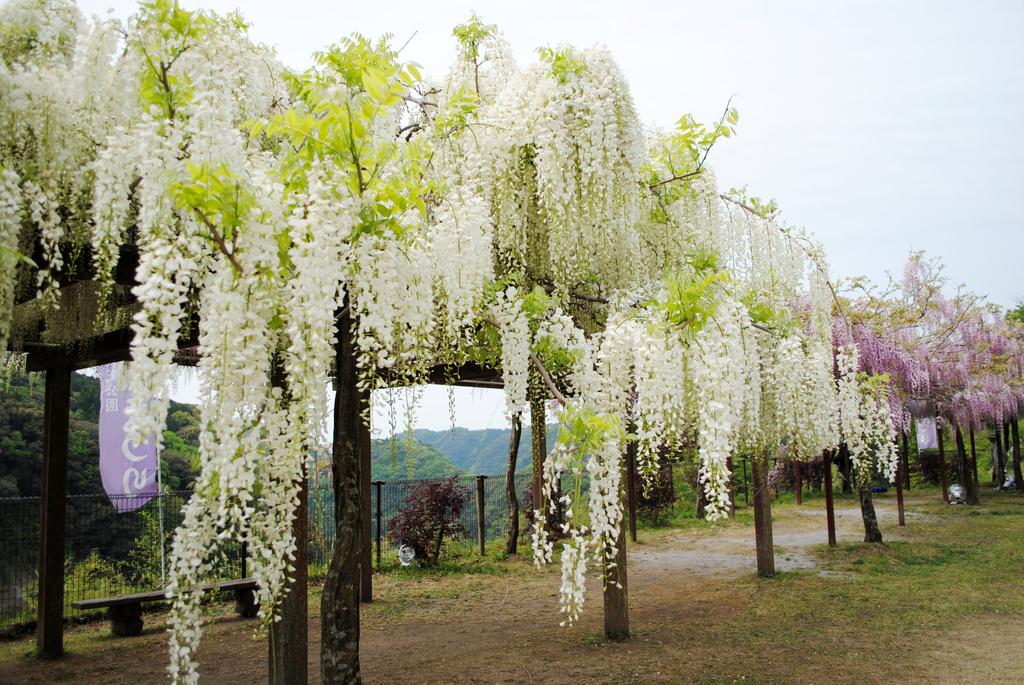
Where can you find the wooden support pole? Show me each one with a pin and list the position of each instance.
(365, 477)
(799, 482)
(631, 493)
(481, 524)
(53, 513)
(899, 491)
(942, 465)
(289, 637)
(616, 594)
(763, 518)
(830, 505)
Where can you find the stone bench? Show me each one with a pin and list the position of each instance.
(125, 612)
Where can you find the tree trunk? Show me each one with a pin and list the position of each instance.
(844, 469)
(1018, 479)
(867, 512)
(539, 452)
(339, 604)
(942, 465)
(963, 466)
(999, 463)
(763, 518)
(974, 457)
(511, 544)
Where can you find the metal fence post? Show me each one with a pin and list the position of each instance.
(377, 487)
(481, 526)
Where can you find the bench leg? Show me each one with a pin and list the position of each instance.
(245, 603)
(126, 620)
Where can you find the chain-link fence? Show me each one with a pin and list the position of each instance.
(110, 553)
(107, 553)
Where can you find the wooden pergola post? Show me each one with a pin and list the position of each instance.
(830, 505)
(631, 487)
(899, 492)
(289, 637)
(616, 594)
(53, 513)
(763, 518)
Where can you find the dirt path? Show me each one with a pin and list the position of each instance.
(694, 608)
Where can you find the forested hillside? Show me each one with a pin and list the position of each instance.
(390, 461)
(481, 451)
(21, 438)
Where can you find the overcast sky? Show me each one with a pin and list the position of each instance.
(883, 127)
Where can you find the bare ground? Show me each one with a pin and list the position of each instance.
(698, 615)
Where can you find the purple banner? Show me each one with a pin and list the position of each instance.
(129, 473)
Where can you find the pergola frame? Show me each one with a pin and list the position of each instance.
(289, 658)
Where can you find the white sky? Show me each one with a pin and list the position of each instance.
(883, 127)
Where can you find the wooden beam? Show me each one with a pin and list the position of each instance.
(53, 513)
(289, 637)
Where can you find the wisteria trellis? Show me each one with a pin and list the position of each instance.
(520, 218)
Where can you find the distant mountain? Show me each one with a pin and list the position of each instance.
(482, 452)
(389, 461)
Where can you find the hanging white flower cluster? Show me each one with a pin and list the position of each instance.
(565, 194)
(263, 210)
(10, 230)
(720, 394)
(463, 262)
(589, 454)
(865, 419)
(799, 396)
(515, 348)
